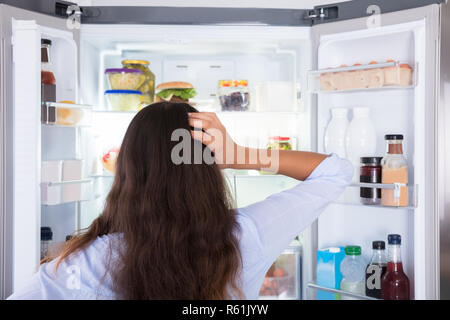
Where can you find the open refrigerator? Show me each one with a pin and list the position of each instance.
(282, 54)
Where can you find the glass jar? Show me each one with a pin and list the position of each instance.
(234, 95)
(394, 171)
(370, 172)
(147, 83)
(279, 143)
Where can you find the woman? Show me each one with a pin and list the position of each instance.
(168, 230)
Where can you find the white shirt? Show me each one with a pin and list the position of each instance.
(266, 229)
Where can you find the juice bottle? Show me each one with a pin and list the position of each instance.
(395, 283)
(48, 84)
(394, 170)
(375, 270)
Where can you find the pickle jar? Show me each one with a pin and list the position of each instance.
(279, 143)
(147, 83)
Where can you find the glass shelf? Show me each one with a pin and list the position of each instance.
(369, 77)
(340, 292)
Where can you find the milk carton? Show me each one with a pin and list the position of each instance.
(328, 271)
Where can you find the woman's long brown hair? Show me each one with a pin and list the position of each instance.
(177, 221)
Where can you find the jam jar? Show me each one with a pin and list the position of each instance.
(279, 143)
(234, 95)
(370, 172)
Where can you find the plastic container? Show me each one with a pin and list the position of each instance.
(147, 82)
(124, 78)
(370, 172)
(335, 133)
(234, 95)
(124, 100)
(353, 270)
(282, 281)
(51, 171)
(72, 171)
(328, 271)
(46, 240)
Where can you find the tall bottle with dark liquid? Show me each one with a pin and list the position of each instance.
(48, 84)
(375, 270)
(395, 283)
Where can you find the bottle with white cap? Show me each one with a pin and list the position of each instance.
(336, 132)
(361, 138)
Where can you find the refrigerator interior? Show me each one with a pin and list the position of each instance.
(266, 57)
(394, 110)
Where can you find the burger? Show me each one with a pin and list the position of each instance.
(175, 91)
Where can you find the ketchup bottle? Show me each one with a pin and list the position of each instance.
(395, 283)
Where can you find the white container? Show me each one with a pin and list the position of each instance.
(361, 140)
(50, 194)
(51, 171)
(275, 96)
(336, 131)
(72, 170)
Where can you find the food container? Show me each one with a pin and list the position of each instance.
(72, 170)
(279, 143)
(372, 75)
(124, 78)
(370, 172)
(51, 171)
(124, 100)
(234, 95)
(147, 82)
(282, 281)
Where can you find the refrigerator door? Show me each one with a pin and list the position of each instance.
(409, 36)
(22, 31)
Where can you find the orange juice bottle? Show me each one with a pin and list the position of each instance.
(394, 170)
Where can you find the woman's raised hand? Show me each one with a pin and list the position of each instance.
(212, 133)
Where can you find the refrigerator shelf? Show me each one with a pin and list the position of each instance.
(56, 193)
(369, 77)
(314, 286)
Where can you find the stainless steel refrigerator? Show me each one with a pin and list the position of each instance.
(282, 54)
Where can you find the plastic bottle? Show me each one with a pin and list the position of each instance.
(361, 138)
(353, 270)
(375, 270)
(336, 132)
(395, 283)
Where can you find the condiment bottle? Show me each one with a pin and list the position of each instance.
(394, 171)
(46, 240)
(395, 283)
(370, 172)
(48, 84)
(375, 270)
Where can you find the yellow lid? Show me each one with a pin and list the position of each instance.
(135, 62)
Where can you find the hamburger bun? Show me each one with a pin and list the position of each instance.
(173, 85)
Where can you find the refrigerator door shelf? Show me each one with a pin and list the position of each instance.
(55, 114)
(314, 286)
(56, 193)
(368, 77)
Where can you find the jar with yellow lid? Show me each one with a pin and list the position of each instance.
(234, 95)
(147, 83)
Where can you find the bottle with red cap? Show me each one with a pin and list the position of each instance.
(395, 283)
